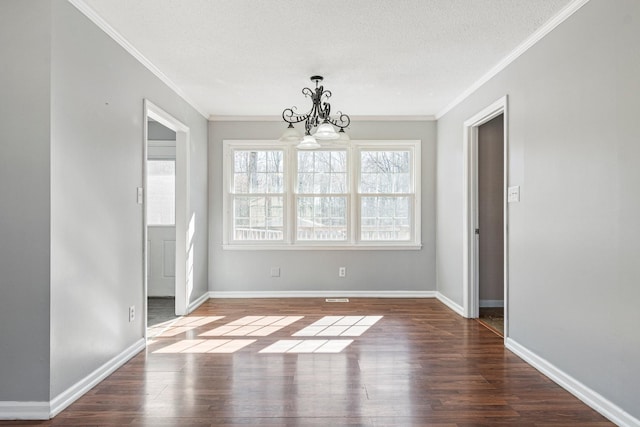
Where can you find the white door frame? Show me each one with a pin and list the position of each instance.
(470, 209)
(184, 223)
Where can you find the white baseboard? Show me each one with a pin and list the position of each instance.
(198, 302)
(24, 410)
(450, 303)
(324, 294)
(491, 303)
(47, 410)
(67, 397)
(596, 401)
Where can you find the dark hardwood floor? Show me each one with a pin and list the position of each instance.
(418, 365)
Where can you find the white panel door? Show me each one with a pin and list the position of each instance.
(162, 261)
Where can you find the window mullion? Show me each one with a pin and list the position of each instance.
(291, 167)
(353, 163)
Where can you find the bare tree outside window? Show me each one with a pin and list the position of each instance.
(385, 204)
(322, 195)
(258, 202)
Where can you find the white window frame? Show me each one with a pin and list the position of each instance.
(290, 241)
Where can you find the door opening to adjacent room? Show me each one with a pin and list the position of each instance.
(485, 218)
(490, 224)
(168, 227)
(161, 224)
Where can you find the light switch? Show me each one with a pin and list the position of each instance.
(140, 195)
(513, 194)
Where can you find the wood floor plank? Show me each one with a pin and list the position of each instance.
(419, 364)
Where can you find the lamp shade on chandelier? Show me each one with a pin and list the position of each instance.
(318, 118)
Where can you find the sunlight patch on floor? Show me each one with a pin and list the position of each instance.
(307, 346)
(254, 326)
(262, 326)
(181, 325)
(339, 326)
(206, 346)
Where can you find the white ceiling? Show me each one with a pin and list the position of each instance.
(378, 57)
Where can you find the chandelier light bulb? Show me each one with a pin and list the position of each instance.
(342, 136)
(308, 143)
(326, 132)
(290, 135)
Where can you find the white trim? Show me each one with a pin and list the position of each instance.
(73, 393)
(491, 303)
(470, 249)
(290, 247)
(94, 17)
(47, 410)
(596, 401)
(450, 303)
(417, 118)
(24, 410)
(322, 294)
(198, 302)
(534, 38)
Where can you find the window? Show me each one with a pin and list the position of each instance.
(361, 195)
(385, 195)
(258, 195)
(161, 192)
(321, 195)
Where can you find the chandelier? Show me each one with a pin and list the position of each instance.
(318, 117)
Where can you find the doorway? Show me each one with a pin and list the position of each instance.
(485, 217)
(490, 232)
(161, 225)
(167, 225)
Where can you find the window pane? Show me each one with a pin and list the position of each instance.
(258, 218)
(258, 171)
(385, 172)
(322, 172)
(161, 192)
(385, 218)
(322, 218)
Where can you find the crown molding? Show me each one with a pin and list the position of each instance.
(552, 23)
(217, 118)
(93, 16)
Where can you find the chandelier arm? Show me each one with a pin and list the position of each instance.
(342, 121)
(320, 110)
(290, 116)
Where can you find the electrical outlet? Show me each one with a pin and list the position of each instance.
(275, 271)
(342, 272)
(132, 313)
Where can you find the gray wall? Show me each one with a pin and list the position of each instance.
(24, 195)
(490, 209)
(97, 163)
(70, 229)
(304, 270)
(574, 103)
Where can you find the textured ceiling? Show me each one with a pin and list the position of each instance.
(378, 57)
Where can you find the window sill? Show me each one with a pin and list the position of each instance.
(298, 247)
